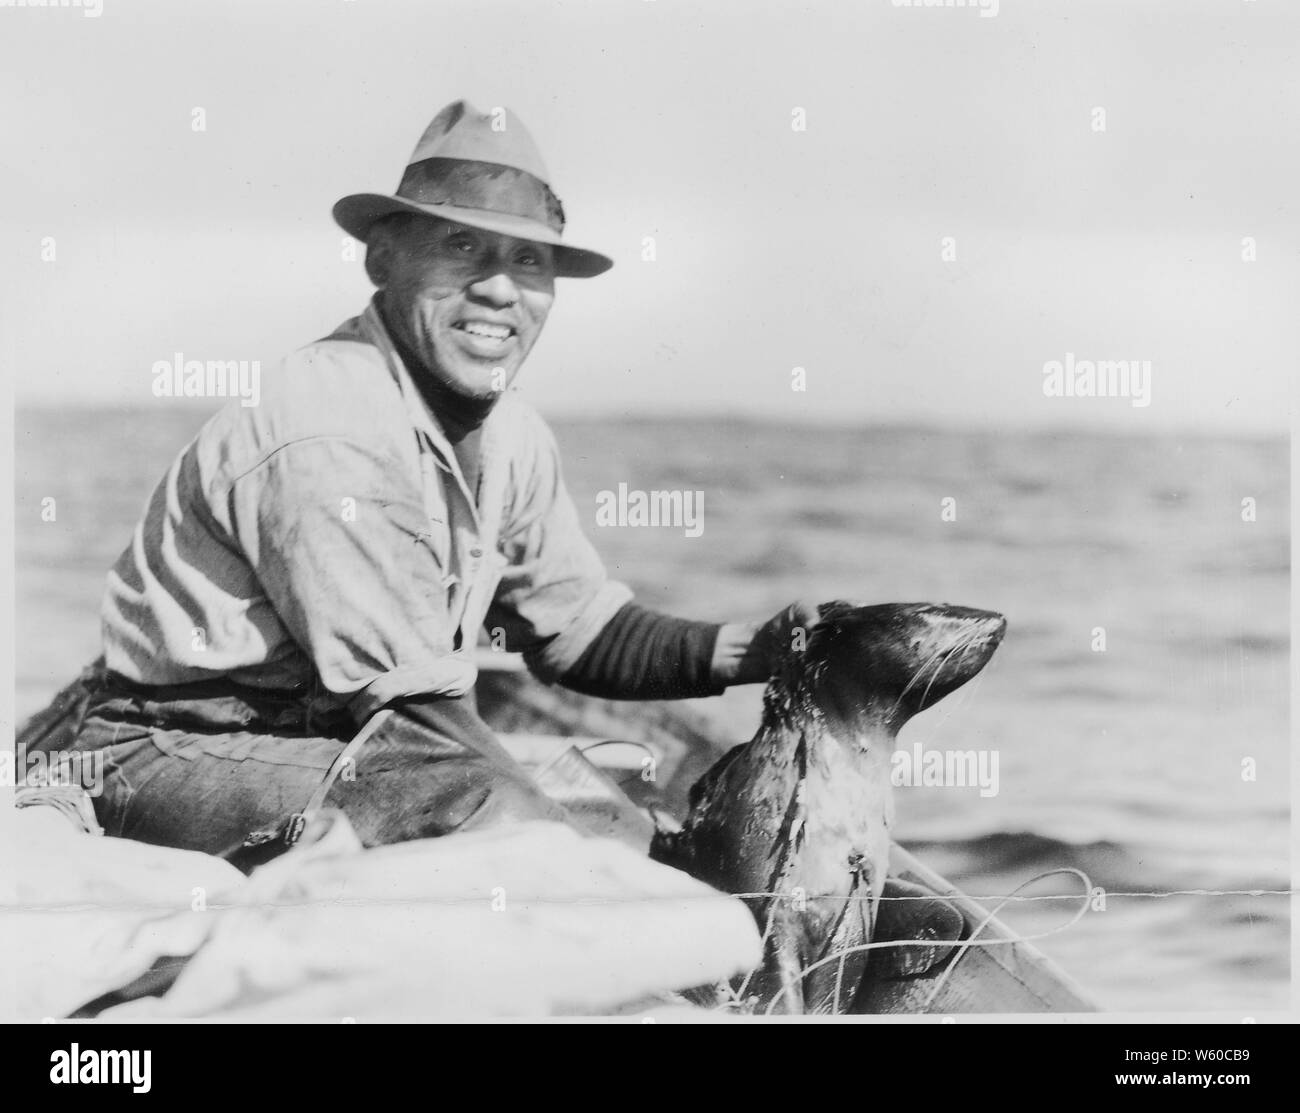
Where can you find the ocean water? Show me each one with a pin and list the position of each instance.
(1158, 764)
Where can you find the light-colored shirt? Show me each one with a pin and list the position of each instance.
(326, 537)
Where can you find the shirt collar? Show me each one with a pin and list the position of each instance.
(497, 429)
(424, 419)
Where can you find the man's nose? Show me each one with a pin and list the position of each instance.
(498, 290)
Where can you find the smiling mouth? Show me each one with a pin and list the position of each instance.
(486, 331)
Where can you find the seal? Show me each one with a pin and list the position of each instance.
(803, 810)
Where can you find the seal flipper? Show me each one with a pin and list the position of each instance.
(896, 975)
(673, 843)
(912, 913)
(833, 986)
(703, 789)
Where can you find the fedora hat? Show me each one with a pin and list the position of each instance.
(469, 168)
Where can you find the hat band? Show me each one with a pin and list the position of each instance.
(482, 185)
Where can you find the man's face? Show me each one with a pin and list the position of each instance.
(469, 303)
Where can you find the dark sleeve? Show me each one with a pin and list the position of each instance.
(642, 654)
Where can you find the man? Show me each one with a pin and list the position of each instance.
(308, 582)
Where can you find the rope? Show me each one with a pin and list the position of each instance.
(963, 944)
(1083, 908)
(1048, 896)
(159, 906)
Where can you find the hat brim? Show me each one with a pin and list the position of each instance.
(358, 211)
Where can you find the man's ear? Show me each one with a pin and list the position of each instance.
(379, 254)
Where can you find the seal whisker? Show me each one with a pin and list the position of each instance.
(971, 639)
(915, 679)
(963, 643)
(968, 691)
(959, 703)
(925, 696)
(920, 670)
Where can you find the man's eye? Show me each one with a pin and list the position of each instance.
(461, 243)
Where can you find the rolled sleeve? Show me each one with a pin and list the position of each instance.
(553, 659)
(554, 596)
(337, 535)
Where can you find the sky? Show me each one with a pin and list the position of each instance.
(928, 132)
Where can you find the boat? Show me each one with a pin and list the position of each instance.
(970, 963)
(623, 768)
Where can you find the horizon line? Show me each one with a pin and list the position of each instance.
(937, 423)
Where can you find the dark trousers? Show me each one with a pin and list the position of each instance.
(204, 768)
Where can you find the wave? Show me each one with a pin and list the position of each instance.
(1019, 855)
(1003, 851)
(1005, 858)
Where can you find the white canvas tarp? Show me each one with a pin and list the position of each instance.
(533, 920)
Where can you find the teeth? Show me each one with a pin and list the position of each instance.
(491, 332)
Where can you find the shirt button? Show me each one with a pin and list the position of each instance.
(476, 552)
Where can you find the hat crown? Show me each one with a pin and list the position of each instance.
(483, 170)
(461, 131)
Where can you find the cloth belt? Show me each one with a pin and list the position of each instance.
(222, 705)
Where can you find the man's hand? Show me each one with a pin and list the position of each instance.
(750, 652)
